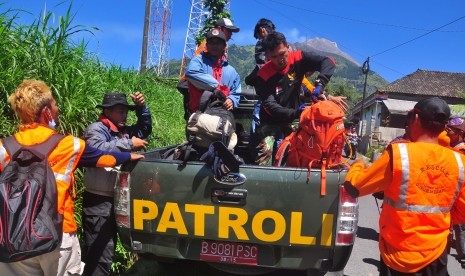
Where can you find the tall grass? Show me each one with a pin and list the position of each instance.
(48, 51)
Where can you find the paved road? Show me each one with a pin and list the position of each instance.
(364, 260)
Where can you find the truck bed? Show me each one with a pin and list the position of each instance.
(264, 217)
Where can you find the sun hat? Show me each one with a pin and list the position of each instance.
(112, 99)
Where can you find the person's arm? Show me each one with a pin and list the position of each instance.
(235, 89)
(260, 58)
(97, 136)
(312, 62)
(458, 209)
(269, 104)
(369, 180)
(93, 157)
(199, 76)
(143, 128)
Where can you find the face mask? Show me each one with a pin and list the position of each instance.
(52, 124)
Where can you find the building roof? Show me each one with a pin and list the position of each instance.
(429, 83)
(398, 106)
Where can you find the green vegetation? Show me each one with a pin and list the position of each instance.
(216, 11)
(78, 80)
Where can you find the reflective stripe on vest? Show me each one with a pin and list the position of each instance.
(3, 157)
(66, 177)
(402, 204)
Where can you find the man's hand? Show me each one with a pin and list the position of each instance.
(138, 98)
(136, 156)
(138, 143)
(340, 101)
(228, 104)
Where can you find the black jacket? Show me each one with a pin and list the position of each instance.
(279, 91)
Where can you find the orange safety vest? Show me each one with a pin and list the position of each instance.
(63, 161)
(415, 220)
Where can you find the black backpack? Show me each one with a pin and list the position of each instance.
(29, 221)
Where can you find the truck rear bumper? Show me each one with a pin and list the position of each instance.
(276, 257)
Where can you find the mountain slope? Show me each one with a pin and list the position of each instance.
(324, 45)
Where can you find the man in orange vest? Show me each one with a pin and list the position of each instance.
(423, 186)
(456, 132)
(34, 104)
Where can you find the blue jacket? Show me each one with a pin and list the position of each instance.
(200, 74)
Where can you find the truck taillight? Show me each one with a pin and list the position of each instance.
(348, 218)
(123, 179)
(122, 200)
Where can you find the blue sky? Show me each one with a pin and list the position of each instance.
(375, 29)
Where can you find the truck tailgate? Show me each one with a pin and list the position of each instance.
(263, 217)
(273, 206)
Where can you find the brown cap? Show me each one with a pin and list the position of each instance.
(216, 33)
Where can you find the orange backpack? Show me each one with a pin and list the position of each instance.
(318, 142)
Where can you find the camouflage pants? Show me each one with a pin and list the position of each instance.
(269, 137)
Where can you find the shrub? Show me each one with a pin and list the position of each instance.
(78, 81)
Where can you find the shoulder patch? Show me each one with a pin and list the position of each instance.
(267, 71)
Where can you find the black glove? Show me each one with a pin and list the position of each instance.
(221, 159)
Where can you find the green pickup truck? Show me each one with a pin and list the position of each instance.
(257, 220)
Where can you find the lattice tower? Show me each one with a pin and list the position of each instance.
(196, 19)
(159, 36)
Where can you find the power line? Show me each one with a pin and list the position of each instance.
(359, 20)
(418, 37)
(308, 28)
(353, 51)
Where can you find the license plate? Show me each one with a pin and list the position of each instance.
(229, 252)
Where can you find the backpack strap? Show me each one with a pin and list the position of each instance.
(46, 147)
(281, 154)
(190, 143)
(12, 145)
(205, 100)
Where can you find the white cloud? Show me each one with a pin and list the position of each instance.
(293, 35)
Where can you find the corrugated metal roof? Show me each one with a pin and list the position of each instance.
(398, 106)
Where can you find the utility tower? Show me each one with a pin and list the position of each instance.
(196, 19)
(158, 37)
